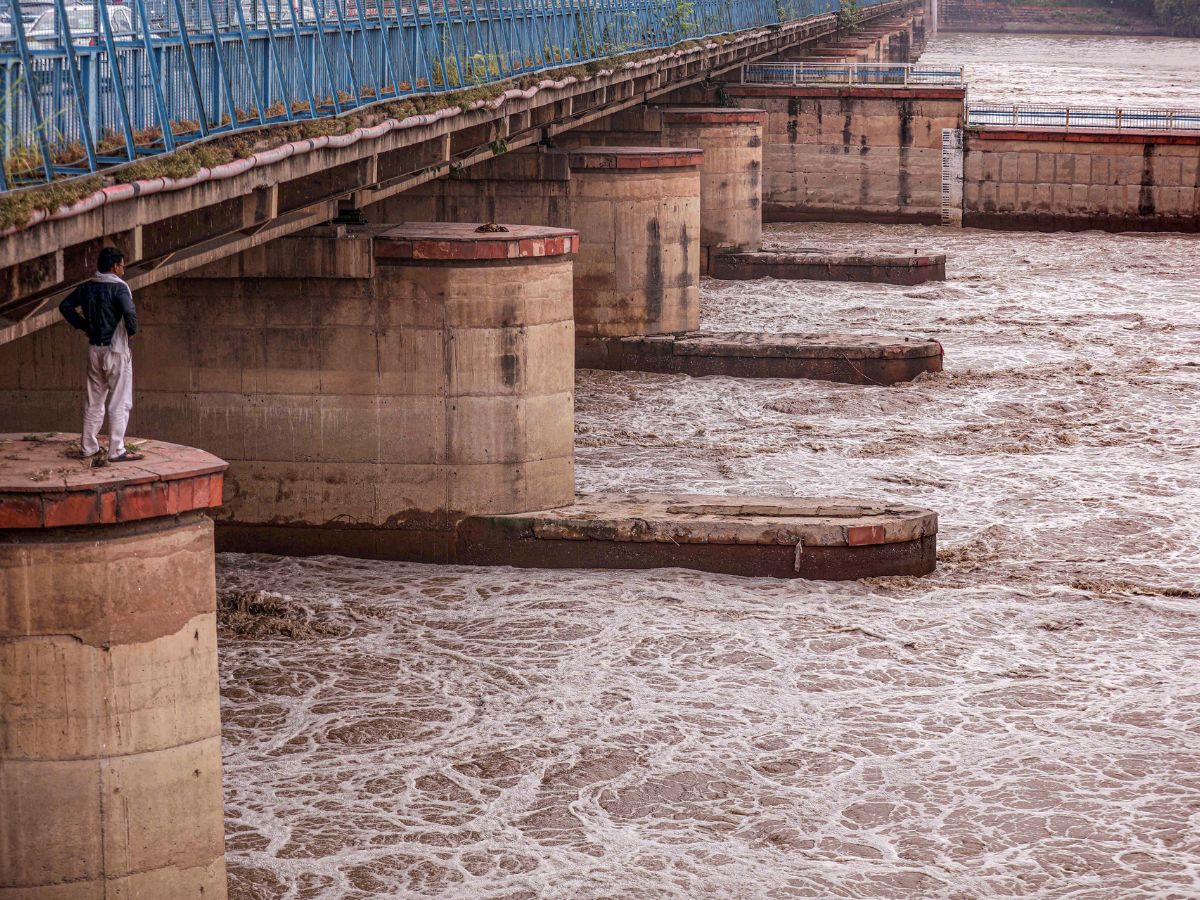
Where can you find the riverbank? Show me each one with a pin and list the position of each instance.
(1003, 17)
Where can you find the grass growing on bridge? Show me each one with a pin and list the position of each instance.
(17, 207)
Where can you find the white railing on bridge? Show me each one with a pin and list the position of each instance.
(1067, 118)
(852, 73)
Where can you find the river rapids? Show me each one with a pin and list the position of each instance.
(1023, 723)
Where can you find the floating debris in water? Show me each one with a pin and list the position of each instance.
(259, 614)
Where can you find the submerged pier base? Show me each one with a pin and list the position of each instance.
(814, 265)
(825, 539)
(847, 358)
(110, 730)
(828, 538)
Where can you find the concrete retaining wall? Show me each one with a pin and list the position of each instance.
(1046, 180)
(853, 153)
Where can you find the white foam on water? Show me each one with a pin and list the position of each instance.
(1025, 722)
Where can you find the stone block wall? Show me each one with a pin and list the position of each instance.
(1050, 181)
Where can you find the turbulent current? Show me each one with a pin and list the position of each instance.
(1023, 723)
(1075, 70)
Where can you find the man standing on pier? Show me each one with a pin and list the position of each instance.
(110, 320)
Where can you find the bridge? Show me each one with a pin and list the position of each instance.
(370, 243)
(225, 186)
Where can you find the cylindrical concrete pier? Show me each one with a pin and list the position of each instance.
(731, 179)
(638, 211)
(110, 731)
(493, 309)
(371, 386)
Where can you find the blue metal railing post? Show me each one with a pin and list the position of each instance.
(346, 41)
(152, 61)
(114, 66)
(419, 38)
(219, 61)
(85, 127)
(32, 90)
(193, 76)
(319, 7)
(255, 85)
(274, 65)
(305, 71)
(366, 43)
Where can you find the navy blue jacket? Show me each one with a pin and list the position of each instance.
(104, 304)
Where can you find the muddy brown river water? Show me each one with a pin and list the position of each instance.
(1023, 723)
(1026, 722)
(1077, 70)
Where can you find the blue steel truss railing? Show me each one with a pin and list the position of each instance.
(852, 73)
(85, 86)
(1067, 118)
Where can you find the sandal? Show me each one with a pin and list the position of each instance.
(127, 456)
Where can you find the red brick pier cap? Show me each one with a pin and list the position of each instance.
(44, 484)
(419, 242)
(717, 115)
(635, 158)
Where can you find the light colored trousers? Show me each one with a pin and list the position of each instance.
(109, 382)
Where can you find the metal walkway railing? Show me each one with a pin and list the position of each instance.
(1067, 118)
(852, 73)
(89, 83)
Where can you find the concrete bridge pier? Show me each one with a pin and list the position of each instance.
(730, 172)
(637, 277)
(731, 189)
(637, 303)
(637, 211)
(373, 386)
(110, 731)
(731, 175)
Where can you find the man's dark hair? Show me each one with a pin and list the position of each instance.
(109, 257)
